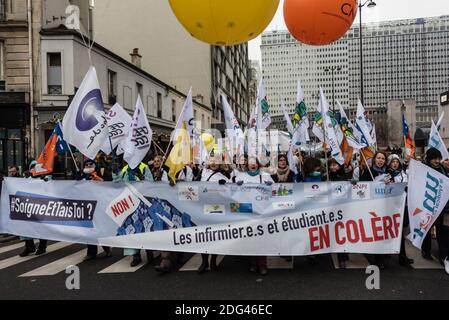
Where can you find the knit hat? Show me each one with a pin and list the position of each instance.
(89, 162)
(32, 165)
(432, 154)
(393, 157)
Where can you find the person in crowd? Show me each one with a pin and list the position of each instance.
(445, 163)
(13, 172)
(218, 174)
(255, 175)
(283, 174)
(312, 170)
(104, 166)
(395, 174)
(90, 173)
(434, 161)
(378, 169)
(30, 247)
(337, 173)
(141, 173)
(157, 170)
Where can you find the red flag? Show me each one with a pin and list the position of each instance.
(47, 158)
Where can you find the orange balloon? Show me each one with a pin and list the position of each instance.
(319, 22)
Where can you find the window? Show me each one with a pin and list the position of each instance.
(139, 88)
(112, 87)
(2, 64)
(159, 105)
(54, 74)
(2, 10)
(173, 110)
(203, 124)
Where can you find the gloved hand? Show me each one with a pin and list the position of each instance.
(172, 183)
(353, 182)
(240, 183)
(268, 183)
(222, 182)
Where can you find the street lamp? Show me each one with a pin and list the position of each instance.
(333, 69)
(369, 4)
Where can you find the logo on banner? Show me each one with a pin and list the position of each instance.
(281, 191)
(315, 188)
(90, 105)
(188, 193)
(214, 209)
(432, 199)
(211, 190)
(340, 190)
(241, 208)
(283, 205)
(383, 191)
(361, 191)
(122, 207)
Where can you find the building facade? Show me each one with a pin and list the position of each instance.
(404, 59)
(174, 56)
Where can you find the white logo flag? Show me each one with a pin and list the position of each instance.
(428, 194)
(435, 141)
(84, 125)
(187, 117)
(234, 131)
(138, 142)
(262, 108)
(119, 122)
(348, 129)
(364, 127)
(329, 131)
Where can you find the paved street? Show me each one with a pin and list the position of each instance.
(44, 277)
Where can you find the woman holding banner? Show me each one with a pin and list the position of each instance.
(255, 175)
(218, 174)
(395, 174)
(377, 170)
(283, 173)
(434, 160)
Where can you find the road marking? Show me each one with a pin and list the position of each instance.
(420, 263)
(356, 261)
(279, 263)
(123, 265)
(194, 263)
(12, 247)
(17, 259)
(59, 265)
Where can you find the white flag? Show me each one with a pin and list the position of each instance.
(84, 124)
(119, 122)
(435, 141)
(288, 121)
(262, 108)
(234, 131)
(187, 117)
(428, 194)
(329, 131)
(363, 126)
(139, 138)
(440, 121)
(348, 129)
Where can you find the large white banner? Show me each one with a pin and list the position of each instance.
(281, 219)
(428, 195)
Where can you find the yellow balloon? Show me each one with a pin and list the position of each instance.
(208, 140)
(224, 22)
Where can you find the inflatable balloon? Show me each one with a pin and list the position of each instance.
(224, 22)
(319, 22)
(209, 141)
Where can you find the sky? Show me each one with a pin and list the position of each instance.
(384, 11)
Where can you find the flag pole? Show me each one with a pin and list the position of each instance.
(70, 150)
(366, 162)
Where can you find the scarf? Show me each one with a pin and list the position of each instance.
(283, 174)
(253, 174)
